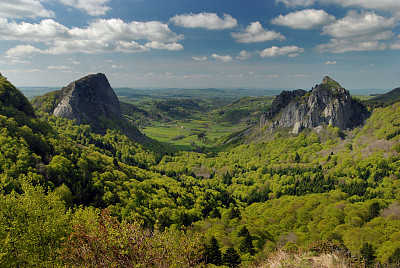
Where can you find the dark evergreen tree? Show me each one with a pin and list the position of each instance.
(215, 213)
(231, 258)
(297, 158)
(246, 245)
(395, 257)
(374, 210)
(368, 254)
(213, 253)
(234, 212)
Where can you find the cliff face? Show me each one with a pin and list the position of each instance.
(327, 103)
(88, 98)
(91, 100)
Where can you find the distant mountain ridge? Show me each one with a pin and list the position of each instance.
(389, 96)
(326, 104)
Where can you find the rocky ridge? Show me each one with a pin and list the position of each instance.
(326, 104)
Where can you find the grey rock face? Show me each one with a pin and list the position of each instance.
(88, 98)
(327, 103)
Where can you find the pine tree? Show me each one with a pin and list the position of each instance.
(231, 258)
(374, 209)
(395, 257)
(246, 246)
(368, 253)
(214, 255)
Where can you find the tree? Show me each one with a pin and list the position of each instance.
(394, 258)
(246, 245)
(368, 253)
(231, 258)
(374, 210)
(214, 255)
(32, 226)
(234, 212)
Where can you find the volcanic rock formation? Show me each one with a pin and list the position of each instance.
(326, 104)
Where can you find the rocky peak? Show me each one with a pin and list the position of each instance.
(91, 100)
(326, 104)
(88, 98)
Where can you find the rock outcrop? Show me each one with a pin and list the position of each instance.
(326, 104)
(91, 100)
(88, 98)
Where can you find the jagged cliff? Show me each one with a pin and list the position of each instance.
(91, 100)
(326, 104)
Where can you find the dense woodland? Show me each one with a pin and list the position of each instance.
(70, 197)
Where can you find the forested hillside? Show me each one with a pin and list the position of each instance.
(70, 197)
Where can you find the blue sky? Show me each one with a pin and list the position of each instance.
(207, 43)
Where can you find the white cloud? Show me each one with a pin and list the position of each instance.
(295, 3)
(243, 55)
(330, 62)
(59, 67)
(342, 46)
(199, 58)
(92, 7)
(366, 25)
(210, 21)
(275, 51)
(160, 45)
(392, 6)
(116, 66)
(24, 9)
(225, 58)
(22, 51)
(113, 35)
(304, 19)
(256, 33)
(35, 32)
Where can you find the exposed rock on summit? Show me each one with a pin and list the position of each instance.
(326, 104)
(88, 98)
(91, 100)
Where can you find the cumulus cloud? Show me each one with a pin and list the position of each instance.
(225, 58)
(295, 3)
(342, 46)
(166, 46)
(199, 58)
(333, 62)
(256, 33)
(392, 6)
(36, 32)
(365, 25)
(99, 36)
(22, 51)
(243, 55)
(210, 21)
(24, 9)
(275, 51)
(92, 7)
(304, 19)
